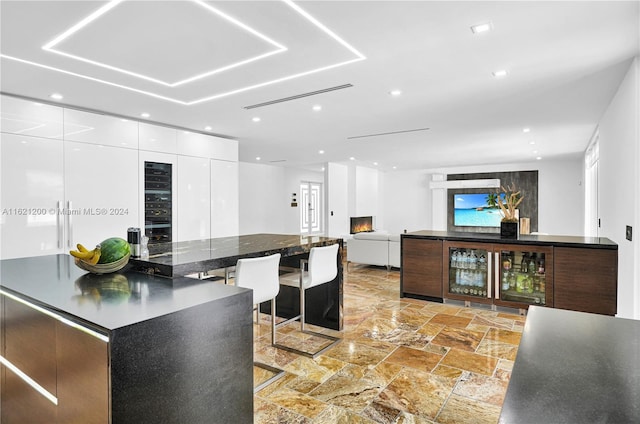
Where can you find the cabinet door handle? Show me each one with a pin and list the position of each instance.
(497, 275)
(59, 224)
(69, 226)
(489, 275)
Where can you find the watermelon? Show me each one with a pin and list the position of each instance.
(113, 249)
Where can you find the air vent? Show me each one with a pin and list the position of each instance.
(387, 133)
(299, 96)
(277, 161)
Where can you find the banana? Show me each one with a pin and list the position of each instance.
(81, 248)
(95, 257)
(81, 255)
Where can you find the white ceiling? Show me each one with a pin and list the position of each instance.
(194, 64)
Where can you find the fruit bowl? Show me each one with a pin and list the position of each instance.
(103, 268)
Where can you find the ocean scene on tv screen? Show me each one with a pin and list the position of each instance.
(476, 210)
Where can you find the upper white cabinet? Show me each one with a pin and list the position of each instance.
(206, 146)
(225, 211)
(225, 149)
(101, 190)
(155, 138)
(94, 128)
(194, 198)
(27, 117)
(31, 223)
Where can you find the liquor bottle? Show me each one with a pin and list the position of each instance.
(532, 264)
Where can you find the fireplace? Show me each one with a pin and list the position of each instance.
(361, 224)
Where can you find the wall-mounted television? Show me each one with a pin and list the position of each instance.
(476, 210)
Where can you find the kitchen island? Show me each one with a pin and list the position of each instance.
(324, 302)
(575, 367)
(123, 348)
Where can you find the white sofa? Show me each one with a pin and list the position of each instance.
(374, 248)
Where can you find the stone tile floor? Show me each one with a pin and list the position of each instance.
(400, 361)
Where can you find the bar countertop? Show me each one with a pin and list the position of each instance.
(109, 301)
(524, 239)
(183, 258)
(575, 367)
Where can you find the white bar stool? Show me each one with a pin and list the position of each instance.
(322, 269)
(261, 275)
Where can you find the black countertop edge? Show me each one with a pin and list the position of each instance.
(528, 239)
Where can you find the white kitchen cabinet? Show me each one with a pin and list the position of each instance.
(206, 146)
(101, 191)
(32, 192)
(156, 138)
(225, 149)
(94, 128)
(224, 199)
(194, 198)
(27, 117)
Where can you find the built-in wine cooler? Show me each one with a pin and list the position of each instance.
(157, 201)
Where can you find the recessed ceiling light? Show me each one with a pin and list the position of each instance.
(317, 108)
(535, 152)
(37, 104)
(256, 119)
(322, 169)
(375, 163)
(395, 92)
(352, 158)
(207, 128)
(526, 130)
(321, 152)
(484, 27)
(257, 157)
(145, 115)
(539, 158)
(499, 74)
(395, 167)
(532, 142)
(56, 96)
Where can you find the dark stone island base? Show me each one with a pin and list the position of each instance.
(123, 348)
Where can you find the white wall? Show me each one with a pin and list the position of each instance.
(265, 198)
(408, 203)
(337, 195)
(618, 186)
(367, 193)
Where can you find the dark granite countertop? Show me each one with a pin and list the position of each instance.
(108, 301)
(183, 258)
(575, 367)
(525, 239)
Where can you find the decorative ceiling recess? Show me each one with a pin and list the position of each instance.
(147, 54)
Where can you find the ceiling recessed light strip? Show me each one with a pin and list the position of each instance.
(50, 45)
(387, 133)
(334, 36)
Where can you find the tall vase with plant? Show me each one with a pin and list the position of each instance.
(509, 199)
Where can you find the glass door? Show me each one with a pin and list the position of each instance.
(467, 269)
(158, 202)
(523, 276)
